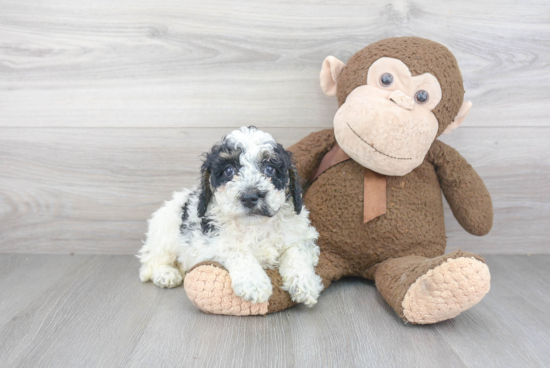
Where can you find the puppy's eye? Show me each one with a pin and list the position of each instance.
(421, 97)
(229, 171)
(386, 79)
(269, 170)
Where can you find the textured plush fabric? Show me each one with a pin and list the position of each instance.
(280, 299)
(421, 56)
(413, 223)
(446, 290)
(403, 249)
(374, 195)
(310, 160)
(374, 191)
(333, 157)
(208, 286)
(395, 276)
(472, 206)
(412, 226)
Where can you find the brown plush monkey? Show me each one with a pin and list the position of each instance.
(373, 187)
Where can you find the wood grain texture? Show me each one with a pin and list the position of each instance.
(91, 190)
(92, 311)
(225, 63)
(105, 108)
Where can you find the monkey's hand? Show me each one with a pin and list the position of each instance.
(466, 193)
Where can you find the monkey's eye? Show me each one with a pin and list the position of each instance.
(229, 171)
(269, 170)
(386, 79)
(421, 97)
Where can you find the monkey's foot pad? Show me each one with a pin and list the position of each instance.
(209, 288)
(446, 290)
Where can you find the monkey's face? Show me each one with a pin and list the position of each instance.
(387, 125)
(396, 96)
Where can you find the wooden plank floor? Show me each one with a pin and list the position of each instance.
(91, 311)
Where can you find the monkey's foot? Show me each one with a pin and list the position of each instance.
(446, 290)
(208, 286)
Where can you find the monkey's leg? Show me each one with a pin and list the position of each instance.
(429, 290)
(208, 286)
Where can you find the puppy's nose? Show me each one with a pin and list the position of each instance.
(250, 199)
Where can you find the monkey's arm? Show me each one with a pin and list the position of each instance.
(309, 152)
(466, 193)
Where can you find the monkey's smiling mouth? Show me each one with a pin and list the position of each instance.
(370, 145)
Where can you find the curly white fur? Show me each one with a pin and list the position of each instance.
(244, 243)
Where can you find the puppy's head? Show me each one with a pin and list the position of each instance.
(250, 177)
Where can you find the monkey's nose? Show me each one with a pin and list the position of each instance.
(402, 99)
(250, 199)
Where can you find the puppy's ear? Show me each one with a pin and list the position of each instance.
(295, 189)
(294, 185)
(206, 192)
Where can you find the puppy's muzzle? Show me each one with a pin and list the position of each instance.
(251, 198)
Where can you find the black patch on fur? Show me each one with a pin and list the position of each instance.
(204, 224)
(207, 227)
(295, 189)
(280, 160)
(184, 227)
(205, 194)
(212, 172)
(286, 174)
(265, 210)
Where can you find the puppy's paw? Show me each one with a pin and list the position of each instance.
(166, 276)
(145, 273)
(256, 288)
(304, 288)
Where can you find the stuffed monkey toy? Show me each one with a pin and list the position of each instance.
(373, 188)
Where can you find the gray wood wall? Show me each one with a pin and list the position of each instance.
(105, 106)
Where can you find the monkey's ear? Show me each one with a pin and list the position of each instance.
(462, 113)
(295, 189)
(206, 193)
(330, 71)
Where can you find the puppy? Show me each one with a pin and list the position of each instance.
(247, 215)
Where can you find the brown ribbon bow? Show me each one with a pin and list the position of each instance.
(374, 184)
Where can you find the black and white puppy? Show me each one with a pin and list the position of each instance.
(247, 215)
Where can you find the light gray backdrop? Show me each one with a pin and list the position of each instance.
(106, 105)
